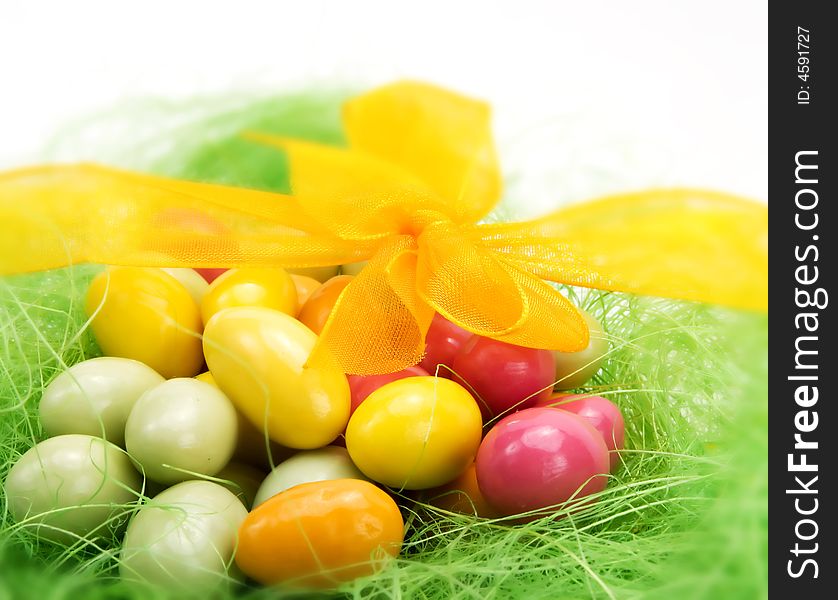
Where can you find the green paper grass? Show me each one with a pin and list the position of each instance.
(685, 515)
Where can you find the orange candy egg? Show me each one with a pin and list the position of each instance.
(320, 534)
(305, 287)
(462, 496)
(315, 312)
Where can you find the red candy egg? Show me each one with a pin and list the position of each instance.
(600, 412)
(210, 273)
(361, 386)
(504, 376)
(540, 457)
(442, 342)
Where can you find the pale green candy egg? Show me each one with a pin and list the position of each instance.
(71, 486)
(185, 537)
(181, 428)
(574, 369)
(193, 282)
(353, 268)
(95, 397)
(243, 480)
(323, 464)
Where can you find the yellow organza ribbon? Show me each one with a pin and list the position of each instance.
(406, 195)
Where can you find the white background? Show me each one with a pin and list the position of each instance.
(589, 97)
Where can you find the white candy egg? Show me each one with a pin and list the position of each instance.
(185, 537)
(95, 397)
(181, 427)
(70, 486)
(193, 282)
(323, 464)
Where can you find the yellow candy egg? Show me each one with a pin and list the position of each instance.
(270, 288)
(146, 315)
(256, 356)
(321, 274)
(415, 433)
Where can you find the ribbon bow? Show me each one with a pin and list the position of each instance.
(407, 194)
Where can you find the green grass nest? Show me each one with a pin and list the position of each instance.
(685, 515)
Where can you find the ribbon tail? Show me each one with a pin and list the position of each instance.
(55, 216)
(378, 324)
(681, 243)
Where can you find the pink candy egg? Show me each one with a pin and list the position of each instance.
(601, 413)
(540, 457)
(504, 376)
(442, 342)
(361, 386)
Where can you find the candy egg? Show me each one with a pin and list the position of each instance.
(70, 486)
(190, 279)
(320, 534)
(257, 356)
(305, 288)
(462, 495)
(442, 343)
(601, 413)
(504, 377)
(146, 315)
(315, 312)
(319, 273)
(362, 386)
(540, 457)
(184, 538)
(210, 274)
(353, 268)
(252, 445)
(270, 288)
(415, 433)
(322, 464)
(94, 397)
(243, 480)
(179, 428)
(574, 369)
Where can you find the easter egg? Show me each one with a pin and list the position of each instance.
(442, 343)
(540, 457)
(319, 273)
(184, 538)
(321, 464)
(253, 446)
(94, 397)
(146, 315)
(362, 386)
(601, 413)
(353, 268)
(305, 288)
(462, 495)
(71, 486)
(190, 279)
(574, 369)
(415, 433)
(210, 274)
(315, 312)
(241, 479)
(503, 376)
(320, 534)
(270, 288)
(257, 356)
(181, 427)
